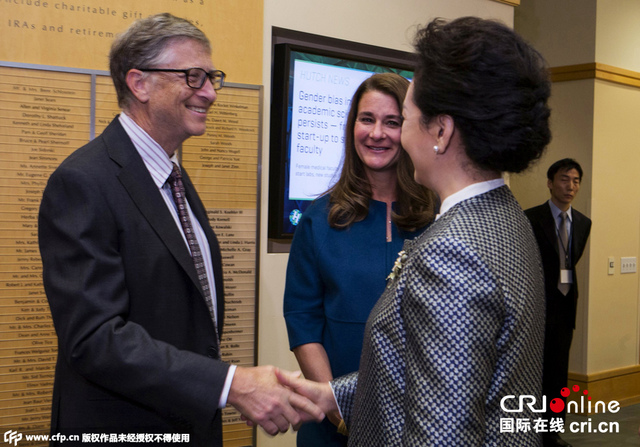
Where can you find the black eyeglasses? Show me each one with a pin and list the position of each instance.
(196, 77)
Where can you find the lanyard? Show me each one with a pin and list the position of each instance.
(567, 251)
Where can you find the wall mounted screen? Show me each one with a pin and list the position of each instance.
(310, 99)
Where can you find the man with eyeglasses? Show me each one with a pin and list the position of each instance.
(132, 268)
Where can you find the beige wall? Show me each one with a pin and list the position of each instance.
(596, 122)
(617, 35)
(366, 21)
(572, 106)
(613, 303)
(565, 31)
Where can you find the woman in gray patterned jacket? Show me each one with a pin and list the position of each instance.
(456, 339)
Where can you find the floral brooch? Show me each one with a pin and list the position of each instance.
(397, 266)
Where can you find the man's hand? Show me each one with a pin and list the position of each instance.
(261, 399)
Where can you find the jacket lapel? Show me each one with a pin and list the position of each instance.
(549, 226)
(135, 178)
(577, 236)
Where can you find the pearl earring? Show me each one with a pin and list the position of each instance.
(435, 148)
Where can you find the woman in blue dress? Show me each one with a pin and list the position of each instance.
(347, 241)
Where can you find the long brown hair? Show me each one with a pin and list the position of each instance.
(351, 194)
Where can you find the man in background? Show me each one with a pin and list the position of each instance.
(132, 268)
(562, 234)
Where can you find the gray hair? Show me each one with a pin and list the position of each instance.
(142, 46)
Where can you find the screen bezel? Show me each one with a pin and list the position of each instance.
(340, 52)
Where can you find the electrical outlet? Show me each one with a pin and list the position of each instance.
(628, 265)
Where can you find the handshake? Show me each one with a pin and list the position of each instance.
(276, 399)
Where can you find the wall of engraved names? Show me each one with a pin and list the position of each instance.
(44, 116)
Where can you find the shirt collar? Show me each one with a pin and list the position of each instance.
(154, 157)
(555, 211)
(470, 191)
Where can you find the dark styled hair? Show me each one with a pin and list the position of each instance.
(142, 46)
(350, 196)
(566, 164)
(492, 83)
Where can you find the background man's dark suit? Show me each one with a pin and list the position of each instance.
(121, 282)
(561, 310)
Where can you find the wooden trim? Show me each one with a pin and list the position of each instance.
(605, 374)
(573, 72)
(509, 2)
(622, 385)
(595, 70)
(617, 75)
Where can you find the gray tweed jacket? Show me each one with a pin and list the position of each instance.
(460, 327)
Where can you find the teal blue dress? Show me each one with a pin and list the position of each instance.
(334, 278)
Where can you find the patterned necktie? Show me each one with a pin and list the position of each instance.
(563, 253)
(177, 190)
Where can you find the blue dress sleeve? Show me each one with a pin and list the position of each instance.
(304, 288)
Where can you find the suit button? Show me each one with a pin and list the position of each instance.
(212, 352)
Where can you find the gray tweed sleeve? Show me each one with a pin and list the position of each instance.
(344, 389)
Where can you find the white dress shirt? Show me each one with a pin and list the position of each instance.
(555, 211)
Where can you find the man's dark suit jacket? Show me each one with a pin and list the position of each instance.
(559, 307)
(138, 351)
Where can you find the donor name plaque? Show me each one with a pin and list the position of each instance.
(45, 114)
